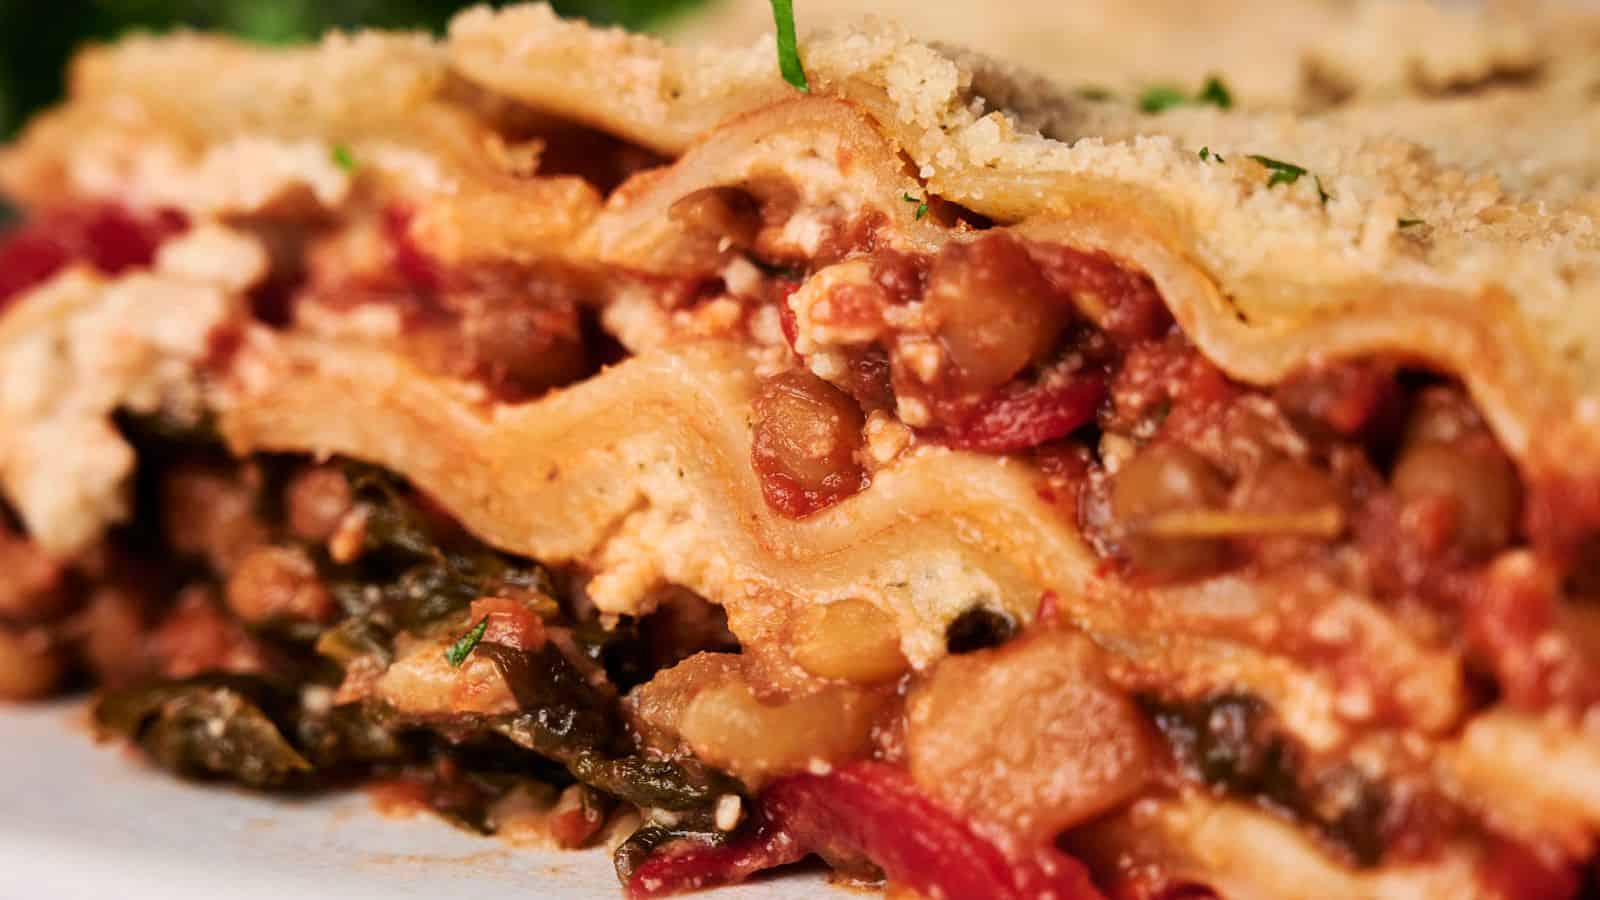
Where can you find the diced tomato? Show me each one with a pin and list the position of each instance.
(1028, 416)
(781, 289)
(411, 262)
(1517, 871)
(110, 238)
(875, 811)
(510, 623)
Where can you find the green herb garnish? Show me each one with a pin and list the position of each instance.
(1094, 92)
(1282, 172)
(463, 646)
(1215, 93)
(1407, 223)
(789, 46)
(1206, 155)
(1161, 98)
(922, 205)
(343, 158)
(1289, 173)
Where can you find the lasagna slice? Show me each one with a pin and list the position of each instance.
(991, 491)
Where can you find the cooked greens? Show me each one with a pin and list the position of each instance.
(1232, 742)
(416, 573)
(211, 726)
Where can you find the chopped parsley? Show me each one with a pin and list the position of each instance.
(463, 646)
(789, 46)
(343, 158)
(1289, 173)
(1206, 155)
(1407, 223)
(1215, 93)
(922, 205)
(1282, 172)
(1162, 97)
(1094, 92)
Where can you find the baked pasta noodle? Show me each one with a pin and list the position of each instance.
(551, 424)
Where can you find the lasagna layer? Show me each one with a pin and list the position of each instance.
(927, 468)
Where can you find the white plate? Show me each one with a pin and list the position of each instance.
(82, 820)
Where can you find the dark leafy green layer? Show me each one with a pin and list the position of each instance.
(418, 573)
(1230, 741)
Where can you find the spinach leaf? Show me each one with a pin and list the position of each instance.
(569, 720)
(212, 726)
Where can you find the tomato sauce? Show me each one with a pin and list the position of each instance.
(111, 238)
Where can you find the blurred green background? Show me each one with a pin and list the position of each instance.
(38, 36)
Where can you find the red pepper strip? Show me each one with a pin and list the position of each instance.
(680, 869)
(872, 810)
(1517, 871)
(109, 238)
(1020, 419)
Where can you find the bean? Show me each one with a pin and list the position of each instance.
(525, 345)
(720, 212)
(29, 667)
(1442, 415)
(995, 311)
(212, 513)
(278, 584)
(806, 436)
(1288, 485)
(849, 640)
(1165, 478)
(1481, 487)
(729, 728)
(315, 499)
(112, 627)
(31, 588)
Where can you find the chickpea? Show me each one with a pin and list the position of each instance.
(211, 513)
(728, 727)
(1442, 415)
(31, 589)
(278, 583)
(850, 640)
(656, 708)
(1165, 478)
(112, 627)
(524, 345)
(1288, 486)
(720, 212)
(1482, 488)
(806, 436)
(315, 499)
(995, 311)
(29, 667)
